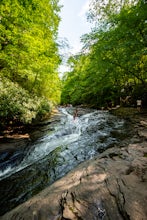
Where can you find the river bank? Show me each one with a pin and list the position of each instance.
(18, 136)
(110, 186)
(14, 137)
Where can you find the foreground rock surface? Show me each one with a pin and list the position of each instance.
(112, 186)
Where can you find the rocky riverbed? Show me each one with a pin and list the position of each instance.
(111, 186)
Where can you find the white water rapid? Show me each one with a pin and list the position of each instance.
(68, 131)
(66, 143)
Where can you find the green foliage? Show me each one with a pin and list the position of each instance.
(115, 58)
(44, 108)
(29, 58)
(16, 104)
(29, 52)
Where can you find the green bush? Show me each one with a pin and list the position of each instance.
(44, 109)
(16, 104)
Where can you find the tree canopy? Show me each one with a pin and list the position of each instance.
(114, 56)
(112, 63)
(29, 55)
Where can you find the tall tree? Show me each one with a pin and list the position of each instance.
(115, 55)
(29, 52)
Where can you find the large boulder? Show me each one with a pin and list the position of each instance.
(111, 186)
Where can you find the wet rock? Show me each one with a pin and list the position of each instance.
(143, 134)
(111, 186)
(12, 143)
(22, 136)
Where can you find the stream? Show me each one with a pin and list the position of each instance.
(68, 142)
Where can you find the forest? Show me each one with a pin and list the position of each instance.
(29, 59)
(113, 61)
(111, 64)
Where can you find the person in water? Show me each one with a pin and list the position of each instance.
(75, 114)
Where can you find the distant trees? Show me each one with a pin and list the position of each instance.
(114, 58)
(29, 53)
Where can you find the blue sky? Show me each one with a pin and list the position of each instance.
(73, 24)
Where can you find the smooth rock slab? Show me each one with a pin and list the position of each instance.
(111, 186)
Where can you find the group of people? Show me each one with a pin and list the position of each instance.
(126, 101)
(138, 103)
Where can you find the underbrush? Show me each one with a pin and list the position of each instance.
(17, 105)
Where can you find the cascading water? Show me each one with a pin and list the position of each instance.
(69, 143)
(64, 133)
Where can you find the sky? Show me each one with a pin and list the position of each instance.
(73, 24)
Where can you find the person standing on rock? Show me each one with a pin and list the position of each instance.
(139, 104)
(75, 114)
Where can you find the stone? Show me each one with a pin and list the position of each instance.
(105, 187)
(112, 186)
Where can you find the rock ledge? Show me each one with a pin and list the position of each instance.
(112, 186)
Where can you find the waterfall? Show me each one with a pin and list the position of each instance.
(65, 132)
(68, 142)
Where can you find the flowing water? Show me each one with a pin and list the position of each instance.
(26, 172)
